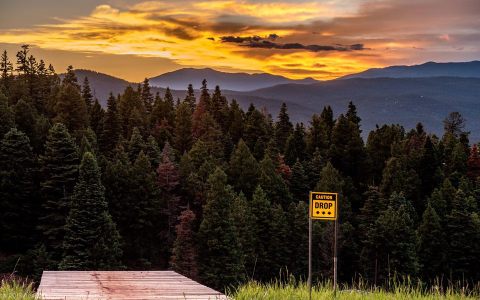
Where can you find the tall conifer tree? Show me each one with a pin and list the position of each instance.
(184, 258)
(220, 257)
(59, 167)
(91, 239)
(18, 199)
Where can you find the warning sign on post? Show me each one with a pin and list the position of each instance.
(323, 206)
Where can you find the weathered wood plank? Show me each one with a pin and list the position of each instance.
(121, 285)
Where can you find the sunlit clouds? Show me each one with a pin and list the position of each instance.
(320, 39)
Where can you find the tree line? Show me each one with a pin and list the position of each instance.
(220, 194)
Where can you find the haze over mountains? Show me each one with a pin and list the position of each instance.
(180, 79)
(429, 69)
(400, 94)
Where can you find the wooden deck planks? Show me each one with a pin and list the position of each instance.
(121, 285)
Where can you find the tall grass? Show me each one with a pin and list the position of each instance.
(12, 289)
(404, 290)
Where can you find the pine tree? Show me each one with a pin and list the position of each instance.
(374, 205)
(244, 223)
(236, 122)
(219, 109)
(330, 180)
(184, 258)
(152, 150)
(87, 95)
(205, 96)
(283, 127)
(278, 248)
(112, 128)
(70, 77)
(163, 132)
(190, 98)
(91, 239)
(243, 169)
(6, 69)
(162, 111)
(298, 238)
(220, 257)
(258, 266)
(473, 163)
(392, 244)
(295, 145)
(25, 118)
(313, 167)
(328, 120)
(454, 124)
(347, 151)
(317, 135)
(6, 116)
(147, 96)
(397, 177)
(135, 145)
(70, 108)
(182, 139)
(97, 114)
(379, 147)
(168, 181)
(146, 216)
(352, 114)
(130, 110)
(18, 199)
(255, 132)
(273, 184)
(432, 245)
(59, 173)
(462, 232)
(428, 167)
(299, 183)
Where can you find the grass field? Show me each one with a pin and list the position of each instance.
(280, 291)
(13, 290)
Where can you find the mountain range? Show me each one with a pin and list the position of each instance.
(180, 79)
(429, 69)
(399, 94)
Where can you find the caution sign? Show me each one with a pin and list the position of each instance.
(323, 206)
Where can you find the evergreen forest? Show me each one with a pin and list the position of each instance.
(220, 194)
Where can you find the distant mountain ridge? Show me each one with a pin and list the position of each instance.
(379, 100)
(101, 84)
(181, 78)
(429, 69)
(405, 101)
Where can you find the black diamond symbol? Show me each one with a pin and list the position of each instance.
(329, 213)
(323, 213)
(318, 212)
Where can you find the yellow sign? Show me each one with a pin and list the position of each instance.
(323, 206)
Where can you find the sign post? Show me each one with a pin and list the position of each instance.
(322, 206)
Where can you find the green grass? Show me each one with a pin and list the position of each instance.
(15, 290)
(276, 291)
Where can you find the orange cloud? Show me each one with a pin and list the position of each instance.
(188, 33)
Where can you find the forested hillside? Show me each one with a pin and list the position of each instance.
(220, 194)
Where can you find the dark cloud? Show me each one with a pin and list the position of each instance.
(269, 43)
(240, 39)
(180, 33)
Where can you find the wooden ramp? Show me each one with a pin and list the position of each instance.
(121, 285)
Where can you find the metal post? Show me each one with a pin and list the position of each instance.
(310, 257)
(335, 260)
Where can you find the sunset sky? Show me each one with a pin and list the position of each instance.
(320, 39)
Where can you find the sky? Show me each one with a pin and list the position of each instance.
(323, 39)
